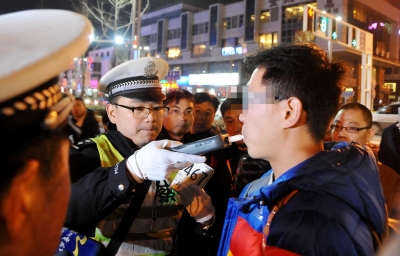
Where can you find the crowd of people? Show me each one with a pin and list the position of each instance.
(282, 190)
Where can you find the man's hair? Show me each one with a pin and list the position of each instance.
(201, 97)
(367, 115)
(227, 104)
(80, 99)
(176, 95)
(303, 70)
(39, 148)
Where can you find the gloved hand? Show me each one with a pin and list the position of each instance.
(197, 203)
(155, 162)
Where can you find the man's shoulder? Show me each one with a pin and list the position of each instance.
(83, 145)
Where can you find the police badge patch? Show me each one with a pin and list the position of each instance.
(150, 70)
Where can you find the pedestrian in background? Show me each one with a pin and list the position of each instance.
(205, 107)
(84, 120)
(389, 149)
(179, 120)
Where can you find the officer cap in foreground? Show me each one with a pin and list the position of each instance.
(136, 79)
(35, 47)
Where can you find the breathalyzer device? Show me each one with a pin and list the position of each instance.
(207, 145)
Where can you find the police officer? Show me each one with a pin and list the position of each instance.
(136, 113)
(36, 46)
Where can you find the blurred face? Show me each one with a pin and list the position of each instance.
(351, 118)
(179, 119)
(204, 114)
(78, 109)
(232, 123)
(261, 119)
(140, 131)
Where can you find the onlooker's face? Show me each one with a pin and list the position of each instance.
(204, 114)
(352, 118)
(140, 131)
(261, 119)
(179, 119)
(232, 123)
(78, 109)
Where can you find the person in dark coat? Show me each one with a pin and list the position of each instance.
(389, 150)
(36, 46)
(85, 121)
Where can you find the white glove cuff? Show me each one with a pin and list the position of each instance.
(205, 219)
(134, 168)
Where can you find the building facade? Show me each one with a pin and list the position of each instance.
(206, 46)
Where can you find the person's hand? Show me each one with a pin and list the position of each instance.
(197, 203)
(155, 162)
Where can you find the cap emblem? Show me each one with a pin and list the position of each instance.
(150, 70)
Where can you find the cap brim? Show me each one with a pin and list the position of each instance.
(145, 94)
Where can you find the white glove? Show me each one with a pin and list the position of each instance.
(197, 203)
(154, 162)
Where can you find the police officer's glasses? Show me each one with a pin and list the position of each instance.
(176, 112)
(143, 112)
(338, 128)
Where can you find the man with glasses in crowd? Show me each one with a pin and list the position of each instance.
(136, 113)
(353, 123)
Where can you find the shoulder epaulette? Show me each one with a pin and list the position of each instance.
(83, 144)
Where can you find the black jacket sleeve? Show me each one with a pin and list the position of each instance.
(96, 195)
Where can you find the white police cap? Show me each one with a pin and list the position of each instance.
(35, 47)
(136, 79)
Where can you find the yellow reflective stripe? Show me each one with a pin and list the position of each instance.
(99, 237)
(109, 156)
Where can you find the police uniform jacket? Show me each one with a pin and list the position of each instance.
(97, 192)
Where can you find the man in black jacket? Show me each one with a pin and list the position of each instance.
(389, 150)
(84, 120)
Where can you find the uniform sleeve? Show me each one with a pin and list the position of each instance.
(96, 195)
(83, 160)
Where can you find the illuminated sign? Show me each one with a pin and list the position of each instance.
(218, 79)
(226, 51)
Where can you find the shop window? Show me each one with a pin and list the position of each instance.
(199, 50)
(268, 40)
(173, 53)
(265, 16)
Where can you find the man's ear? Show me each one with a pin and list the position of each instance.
(295, 115)
(371, 134)
(111, 112)
(19, 200)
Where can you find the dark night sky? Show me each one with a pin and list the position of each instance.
(7, 6)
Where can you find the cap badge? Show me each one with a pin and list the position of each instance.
(150, 70)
